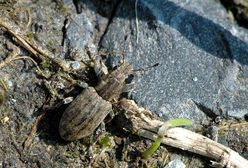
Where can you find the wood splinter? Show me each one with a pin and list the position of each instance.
(145, 125)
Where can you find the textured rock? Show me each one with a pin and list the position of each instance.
(175, 164)
(79, 32)
(202, 57)
(84, 29)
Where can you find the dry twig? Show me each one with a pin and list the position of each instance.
(31, 48)
(145, 125)
(27, 143)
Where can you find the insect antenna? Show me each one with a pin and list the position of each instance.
(146, 68)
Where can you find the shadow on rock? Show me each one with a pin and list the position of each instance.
(200, 31)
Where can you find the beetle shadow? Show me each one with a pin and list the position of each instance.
(200, 31)
(48, 127)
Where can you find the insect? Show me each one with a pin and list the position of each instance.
(91, 107)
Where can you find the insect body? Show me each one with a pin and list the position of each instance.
(89, 109)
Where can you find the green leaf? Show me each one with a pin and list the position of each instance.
(171, 123)
(151, 150)
(179, 122)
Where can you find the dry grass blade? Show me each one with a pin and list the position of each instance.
(33, 61)
(31, 48)
(19, 39)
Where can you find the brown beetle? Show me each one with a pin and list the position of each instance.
(90, 108)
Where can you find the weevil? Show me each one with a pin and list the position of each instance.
(91, 107)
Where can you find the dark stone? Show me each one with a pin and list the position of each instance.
(202, 57)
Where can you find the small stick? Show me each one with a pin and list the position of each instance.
(145, 125)
(19, 39)
(31, 48)
(14, 56)
(10, 57)
(5, 62)
(29, 18)
(27, 143)
(33, 61)
(4, 86)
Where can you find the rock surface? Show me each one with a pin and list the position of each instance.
(202, 57)
(175, 164)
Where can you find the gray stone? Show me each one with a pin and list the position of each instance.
(75, 65)
(79, 31)
(175, 164)
(83, 31)
(212, 133)
(78, 35)
(202, 57)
